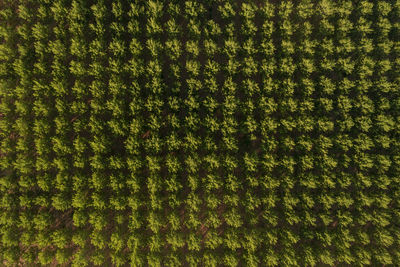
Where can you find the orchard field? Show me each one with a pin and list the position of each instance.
(199, 133)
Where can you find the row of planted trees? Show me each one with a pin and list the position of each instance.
(168, 133)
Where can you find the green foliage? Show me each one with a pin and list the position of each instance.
(199, 133)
